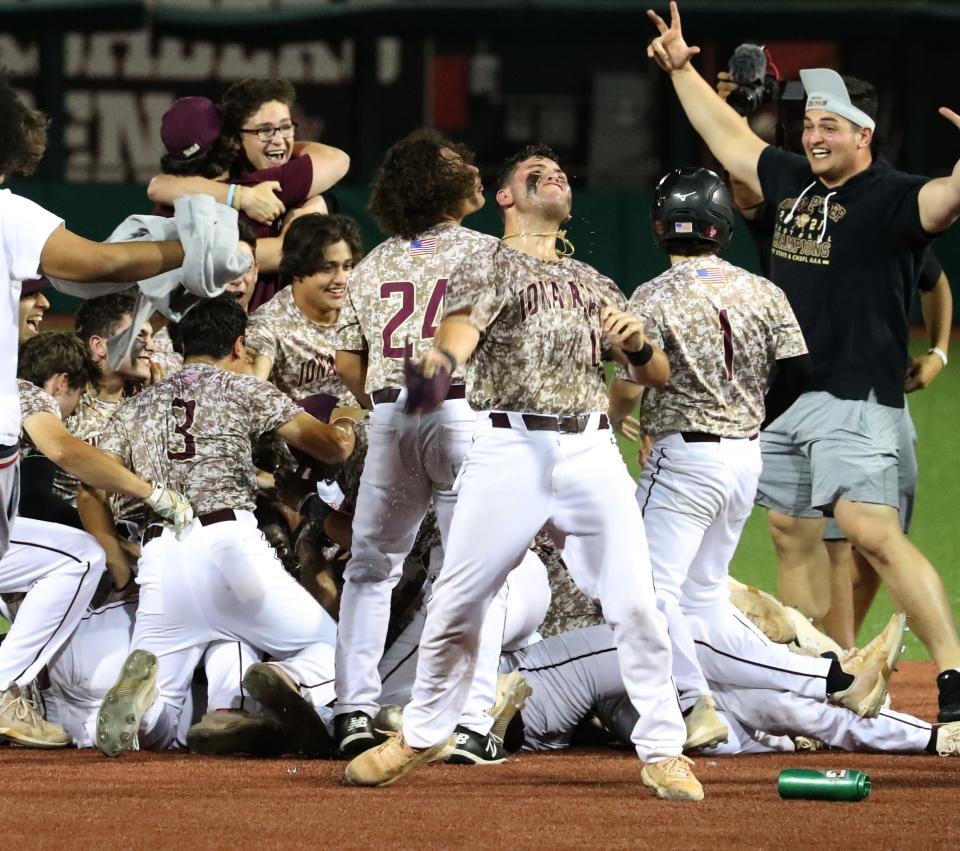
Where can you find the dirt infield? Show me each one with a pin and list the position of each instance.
(589, 798)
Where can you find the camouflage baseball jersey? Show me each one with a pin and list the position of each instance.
(541, 345)
(570, 608)
(722, 328)
(164, 355)
(193, 432)
(87, 423)
(303, 351)
(395, 298)
(33, 400)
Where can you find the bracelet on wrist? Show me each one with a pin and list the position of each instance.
(940, 353)
(642, 356)
(450, 359)
(236, 197)
(230, 194)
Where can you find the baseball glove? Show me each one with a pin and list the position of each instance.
(172, 506)
(425, 394)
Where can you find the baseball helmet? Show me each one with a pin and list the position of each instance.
(692, 203)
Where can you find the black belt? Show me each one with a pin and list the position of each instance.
(221, 515)
(390, 394)
(703, 437)
(566, 424)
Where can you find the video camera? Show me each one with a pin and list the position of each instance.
(758, 80)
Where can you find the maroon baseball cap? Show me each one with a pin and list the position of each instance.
(191, 126)
(29, 288)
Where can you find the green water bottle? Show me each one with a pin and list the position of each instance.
(842, 785)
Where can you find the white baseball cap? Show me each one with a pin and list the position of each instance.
(826, 90)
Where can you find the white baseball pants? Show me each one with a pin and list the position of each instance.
(410, 460)
(223, 582)
(59, 568)
(512, 483)
(695, 499)
(520, 606)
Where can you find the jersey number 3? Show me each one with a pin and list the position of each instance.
(185, 408)
(393, 348)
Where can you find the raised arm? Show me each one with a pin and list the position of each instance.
(939, 199)
(729, 138)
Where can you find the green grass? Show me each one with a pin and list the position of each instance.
(936, 413)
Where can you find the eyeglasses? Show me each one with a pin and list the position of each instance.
(268, 131)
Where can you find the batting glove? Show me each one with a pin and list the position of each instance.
(171, 506)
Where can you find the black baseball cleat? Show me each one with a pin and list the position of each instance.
(948, 684)
(470, 748)
(354, 733)
(284, 705)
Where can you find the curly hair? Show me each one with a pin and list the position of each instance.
(416, 186)
(308, 237)
(529, 152)
(23, 133)
(52, 352)
(243, 99)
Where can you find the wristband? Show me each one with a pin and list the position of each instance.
(641, 357)
(450, 359)
(940, 353)
(236, 198)
(230, 193)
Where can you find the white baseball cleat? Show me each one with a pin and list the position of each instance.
(766, 612)
(872, 668)
(948, 739)
(118, 721)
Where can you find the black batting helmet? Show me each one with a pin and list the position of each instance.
(692, 204)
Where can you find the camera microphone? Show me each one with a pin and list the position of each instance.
(748, 68)
(748, 65)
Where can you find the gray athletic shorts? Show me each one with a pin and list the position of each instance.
(822, 449)
(906, 479)
(9, 492)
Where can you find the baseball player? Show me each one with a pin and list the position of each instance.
(424, 188)
(575, 675)
(220, 580)
(538, 326)
(294, 335)
(724, 331)
(58, 567)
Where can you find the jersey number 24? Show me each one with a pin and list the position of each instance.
(393, 348)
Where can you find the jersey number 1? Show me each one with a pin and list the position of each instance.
(408, 292)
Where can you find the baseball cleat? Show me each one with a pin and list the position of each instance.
(235, 731)
(283, 704)
(810, 641)
(805, 743)
(118, 721)
(765, 611)
(672, 779)
(21, 722)
(705, 727)
(948, 686)
(948, 739)
(354, 733)
(472, 748)
(388, 762)
(512, 693)
(872, 668)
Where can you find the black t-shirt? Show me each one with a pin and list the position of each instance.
(845, 272)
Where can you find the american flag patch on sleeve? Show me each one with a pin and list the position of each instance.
(422, 246)
(712, 275)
